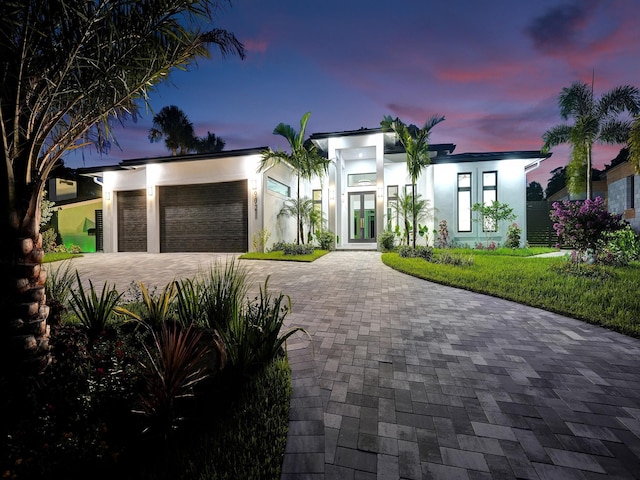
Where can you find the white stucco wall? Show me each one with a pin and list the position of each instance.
(511, 190)
(283, 228)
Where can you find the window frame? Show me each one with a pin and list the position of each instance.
(486, 188)
(467, 190)
(271, 181)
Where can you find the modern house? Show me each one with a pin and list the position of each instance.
(219, 202)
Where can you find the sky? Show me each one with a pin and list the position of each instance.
(493, 68)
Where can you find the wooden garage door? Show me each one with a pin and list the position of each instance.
(132, 221)
(204, 218)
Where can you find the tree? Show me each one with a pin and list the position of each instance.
(557, 181)
(304, 159)
(209, 144)
(593, 121)
(69, 68)
(634, 144)
(302, 209)
(416, 145)
(494, 213)
(172, 124)
(410, 208)
(534, 192)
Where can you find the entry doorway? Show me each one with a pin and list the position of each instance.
(362, 217)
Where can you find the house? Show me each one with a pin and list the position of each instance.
(623, 192)
(219, 202)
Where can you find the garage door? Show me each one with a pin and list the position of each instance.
(132, 221)
(204, 218)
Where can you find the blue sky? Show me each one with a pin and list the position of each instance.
(493, 68)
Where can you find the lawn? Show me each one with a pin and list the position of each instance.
(605, 296)
(58, 256)
(280, 256)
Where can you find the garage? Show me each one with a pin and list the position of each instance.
(208, 217)
(132, 221)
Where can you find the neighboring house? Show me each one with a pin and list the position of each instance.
(623, 193)
(219, 202)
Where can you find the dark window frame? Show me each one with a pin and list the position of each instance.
(467, 191)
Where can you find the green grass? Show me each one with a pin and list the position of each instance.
(509, 252)
(58, 256)
(281, 256)
(613, 303)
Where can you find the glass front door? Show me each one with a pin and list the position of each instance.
(362, 217)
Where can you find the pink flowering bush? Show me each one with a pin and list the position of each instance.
(583, 225)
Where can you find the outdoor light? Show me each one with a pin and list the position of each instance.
(107, 196)
(332, 194)
(150, 191)
(380, 192)
(254, 189)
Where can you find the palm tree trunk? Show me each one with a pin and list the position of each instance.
(298, 220)
(24, 330)
(413, 209)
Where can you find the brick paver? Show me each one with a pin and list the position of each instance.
(404, 378)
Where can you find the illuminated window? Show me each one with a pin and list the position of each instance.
(392, 206)
(317, 206)
(278, 187)
(464, 202)
(489, 195)
(361, 179)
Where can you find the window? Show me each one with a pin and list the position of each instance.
(464, 202)
(278, 187)
(361, 179)
(316, 195)
(392, 206)
(408, 190)
(489, 195)
(631, 194)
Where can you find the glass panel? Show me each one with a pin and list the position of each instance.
(464, 211)
(354, 215)
(361, 179)
(278, 187)
(317, 195)
(369, 216)
(489, 179)
(464, 180)
(392, 192)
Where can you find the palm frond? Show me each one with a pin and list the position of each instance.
(614, 131)
(576, 100)
(556, 136)
(634, 144)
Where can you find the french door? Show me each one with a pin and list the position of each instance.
(362, 217)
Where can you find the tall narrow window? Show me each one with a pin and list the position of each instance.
(392, 206)
(631, 194)
(317, 208)
(464, 202)
(489, 195)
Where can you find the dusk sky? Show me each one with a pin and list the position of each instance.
(493, 68)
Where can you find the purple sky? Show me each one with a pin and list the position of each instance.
(493, 68)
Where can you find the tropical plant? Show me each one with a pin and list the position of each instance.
(190, 305)
(594, 121)
(416, 145)
(260, 239)
(326, 239)
(513, 236)
(224, 289)
(295, 249)
(172, 124)
(209, 144)
(301, 209)
(46, 209)
(583, 225)
(94, 312)
(419, 251)
(59, 287)
(442, 239)
(620, 247)
(493, 214)
(304, 159)
(69, 68)
(410, 208)
(175, 365)
(158, 309)
(386, 241)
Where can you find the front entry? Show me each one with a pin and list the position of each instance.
(362, 217)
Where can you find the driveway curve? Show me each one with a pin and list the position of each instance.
(404, 378)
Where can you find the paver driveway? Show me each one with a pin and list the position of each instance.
(410, 379)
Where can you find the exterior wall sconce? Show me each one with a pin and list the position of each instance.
(107, 196)
(254, 195)
(150, 191)
(380, 192)
(332, 194)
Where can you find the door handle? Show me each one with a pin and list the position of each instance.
(361, 222)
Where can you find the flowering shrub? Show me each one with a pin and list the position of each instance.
(442, 240)
(584, 225)
(513, 236)
(490, 246)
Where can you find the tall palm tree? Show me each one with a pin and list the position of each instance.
(634, 144)
(172, 124)
(593, 121)
(68, 69)
(304, 159)
(209, 144)
(416, 145)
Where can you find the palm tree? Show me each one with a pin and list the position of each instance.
(416, 145)
(405, 208)
(302, 209)
(304, 159)
(593, 121)
(209, 144)
(634, 144)
(69, 68)
(172, 124)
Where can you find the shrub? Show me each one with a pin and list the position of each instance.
(442, 239)
(325, 239)
(58, 287)
(260, 239)
(49, 238)
(224, 290)
(278, 246)
(386, 241)
(295, 249)
(420, 251)
(620, 247)
(583, 225)
(157, 308)
(190, 308)
(513, 236)
(457, 259)
(93, 312)
(491, 246)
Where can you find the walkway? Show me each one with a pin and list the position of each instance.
(410, 379)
